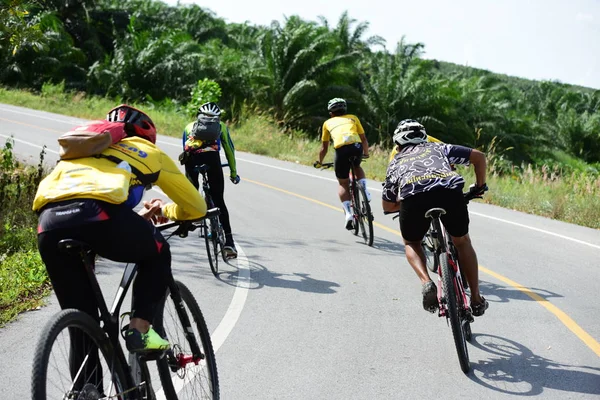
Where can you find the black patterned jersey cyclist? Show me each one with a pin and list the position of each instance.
(423, 167)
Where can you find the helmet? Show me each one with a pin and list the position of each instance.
(141, 123)
(336, 104)
(409, 131)
(210, 108)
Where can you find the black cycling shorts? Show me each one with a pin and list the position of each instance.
(413, 223)
(342, 159)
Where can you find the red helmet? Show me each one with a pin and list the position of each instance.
(142, 124)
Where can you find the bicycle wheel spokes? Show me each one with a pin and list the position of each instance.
(74, 360)
(454, 312)
(185, 375)
(211, 241)
(366, 218)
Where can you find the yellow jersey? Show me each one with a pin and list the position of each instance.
(343, 130)
(395, 149)
(119, 176)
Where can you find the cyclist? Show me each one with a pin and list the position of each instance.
(395, 149)
(198, 152)
(419, 178)
(349, 140)
(91, 199)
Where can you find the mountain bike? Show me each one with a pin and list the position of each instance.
(77, 358)
(212, 230)
(361, 208)
(453, 301)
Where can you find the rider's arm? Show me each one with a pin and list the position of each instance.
(363, 137)
(390, 194)
(325, 137)
(229, 149)
(479, 162)
(184, 138)
(187, 202)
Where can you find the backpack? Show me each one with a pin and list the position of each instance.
(90, 139)
(206, 128)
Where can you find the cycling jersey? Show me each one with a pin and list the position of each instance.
(430, 139)
(119, 176)
(192, 145)
(423, 167)
(343, 130)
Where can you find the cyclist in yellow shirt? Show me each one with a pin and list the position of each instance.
(349, 140)
(91, 199)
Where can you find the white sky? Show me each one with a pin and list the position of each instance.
(536, 39)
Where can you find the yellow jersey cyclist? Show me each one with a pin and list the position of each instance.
(91, 199)
(349, 140)
(200, 152)
(420, 177)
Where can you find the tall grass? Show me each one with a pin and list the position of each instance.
(23, 280)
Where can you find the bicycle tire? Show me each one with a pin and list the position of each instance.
(355, 207)
(168, 371)
(71, 320)
(212, 250)
(453, 313)
(366, 216)
(221, 236)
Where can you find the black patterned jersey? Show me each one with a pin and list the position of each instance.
(422, 167)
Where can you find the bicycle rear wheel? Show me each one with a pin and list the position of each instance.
(365, 216)
(181, 377)
(74, 359)
(355, 207)
(212, 243)
(454, 313)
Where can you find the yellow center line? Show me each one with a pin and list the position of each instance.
(585, 337)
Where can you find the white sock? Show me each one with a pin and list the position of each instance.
(346, 205)
(363, 182)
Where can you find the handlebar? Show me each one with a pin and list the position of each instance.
(184, 227)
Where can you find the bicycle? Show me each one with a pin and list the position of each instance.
(361, 208)
(187, 370)
(214, 235)
(453, 301)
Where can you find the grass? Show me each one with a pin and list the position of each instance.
(23, 279)
(571, 194)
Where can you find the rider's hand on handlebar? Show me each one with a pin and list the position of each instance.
(152, 211)
(235, 179)
(478, 191)
(317, 164)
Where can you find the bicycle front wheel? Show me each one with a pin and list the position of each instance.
(184, 375)
(74, 359)
(212, 243)
(365, 216)
(453, 312)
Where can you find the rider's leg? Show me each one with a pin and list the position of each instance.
(344, 195)
(216, 180)
(413, 226)
(189, 171)
(342, 169)
(468, 264)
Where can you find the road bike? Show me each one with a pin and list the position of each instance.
(212, 230)
(453, 300)
(78, 358)
(361, 208)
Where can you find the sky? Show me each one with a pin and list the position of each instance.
(535, 39)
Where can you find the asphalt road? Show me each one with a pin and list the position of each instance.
(309, 312)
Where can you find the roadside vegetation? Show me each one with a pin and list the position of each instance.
(23, 279)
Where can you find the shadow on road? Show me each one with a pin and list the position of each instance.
(503, 294)
(514, 369)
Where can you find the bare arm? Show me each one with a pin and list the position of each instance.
(478, 160)
(365, 144)
(323, 151)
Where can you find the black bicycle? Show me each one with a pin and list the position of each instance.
(361, 208)
(212, 230)
(453, 301)
(77, 358)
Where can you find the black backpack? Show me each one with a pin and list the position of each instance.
(206, 128)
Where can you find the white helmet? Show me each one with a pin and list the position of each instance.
(210, 108)
(409, 131)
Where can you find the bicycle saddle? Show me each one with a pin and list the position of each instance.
(72, 246)
(435, 212)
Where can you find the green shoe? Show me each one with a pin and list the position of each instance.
(138, 342)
